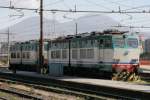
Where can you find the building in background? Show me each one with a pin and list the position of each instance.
(147, 46)
(4, 48)
(3, 53)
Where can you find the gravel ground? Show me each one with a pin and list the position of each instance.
(46, 95)
(10, 97)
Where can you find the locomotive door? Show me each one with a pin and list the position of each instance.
(101, 50)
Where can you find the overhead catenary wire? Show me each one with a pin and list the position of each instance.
(78, 11)
(132, 26)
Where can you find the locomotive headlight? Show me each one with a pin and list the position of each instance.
(116, 60)
(134, 60)
(126, 53)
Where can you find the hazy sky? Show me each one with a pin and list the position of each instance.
(101, 5)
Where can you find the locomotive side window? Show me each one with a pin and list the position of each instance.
(14, 55)
(11, 55)
(74, 54)
(64, 54)
(27, 55)
(18, 55)
(82, 53)
(73, 44)
(92, 42)
(86, 53)
(53, 54)
(56, 54)
(90, 53)
(133, 43)
(23, 55)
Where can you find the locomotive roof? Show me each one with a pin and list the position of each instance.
(88, 35)
(30, 41)
(80, 35)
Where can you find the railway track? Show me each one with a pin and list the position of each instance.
(19, 94)
(49, 88)
(83, 90)
(3, 98)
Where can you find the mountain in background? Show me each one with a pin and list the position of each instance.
(29, 28)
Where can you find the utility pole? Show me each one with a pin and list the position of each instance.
(41, 58)
(76, 24)
(76, 28)
(53, 32)
(8, 46)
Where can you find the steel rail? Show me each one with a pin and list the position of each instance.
(3, 98)
(19, 94)
(54, 89)
(86, 90)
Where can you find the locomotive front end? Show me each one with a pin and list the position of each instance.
(126, 55)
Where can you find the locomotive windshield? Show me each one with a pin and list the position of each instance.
(119, 42)
(131, 42)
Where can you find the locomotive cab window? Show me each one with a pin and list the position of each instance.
(119, 42)
(133, 43)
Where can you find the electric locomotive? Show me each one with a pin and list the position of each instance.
(109, 54)
(24, 56)
(93, 54)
